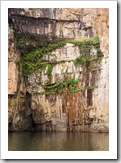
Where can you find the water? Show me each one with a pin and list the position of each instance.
(57, 141)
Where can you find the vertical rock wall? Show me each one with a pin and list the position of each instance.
(59, 95)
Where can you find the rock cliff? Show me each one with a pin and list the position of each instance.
(58, 62)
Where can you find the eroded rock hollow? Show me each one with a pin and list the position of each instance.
(58, 62)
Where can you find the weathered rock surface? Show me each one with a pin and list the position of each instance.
(12, 66)
(86, 110)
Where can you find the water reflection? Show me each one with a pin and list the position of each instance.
(58, 141)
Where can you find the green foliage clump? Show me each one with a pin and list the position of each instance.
(49, 70)
(92, 41)
(58, 87)
(82, 60)
(85, 60)
(72, 82)
(33, 50)
(85, 46)
(35, 60)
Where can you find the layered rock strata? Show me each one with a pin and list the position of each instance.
(58, 62)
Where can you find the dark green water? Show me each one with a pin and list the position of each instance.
(57, 141)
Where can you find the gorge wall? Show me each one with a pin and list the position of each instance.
(58, 62)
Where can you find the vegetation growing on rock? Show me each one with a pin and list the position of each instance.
(65, 76)
(34, 60)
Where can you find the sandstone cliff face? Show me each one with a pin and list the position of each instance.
(58, 70)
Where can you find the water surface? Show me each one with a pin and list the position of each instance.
(57, 141)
